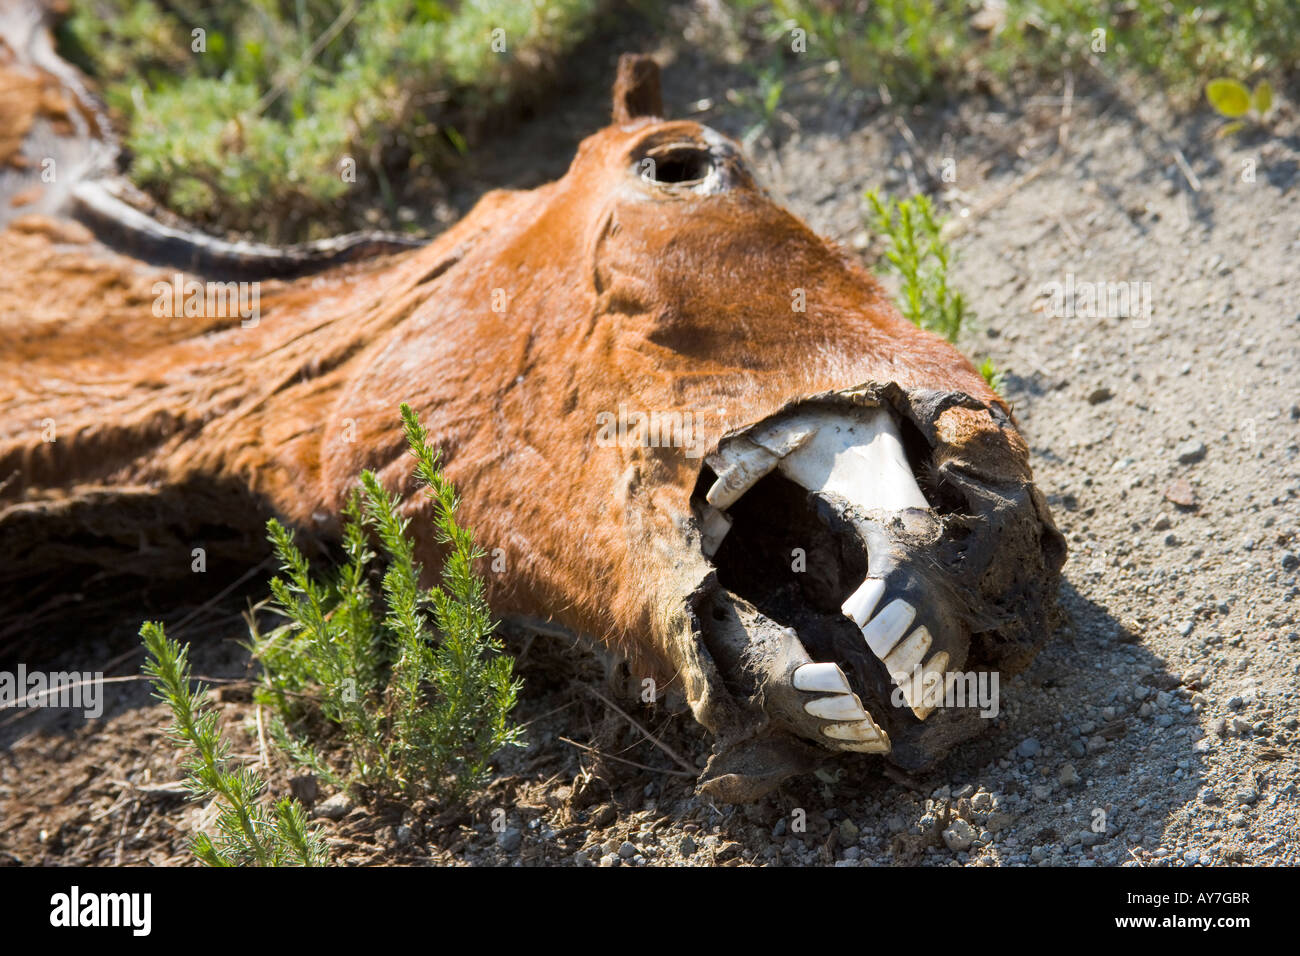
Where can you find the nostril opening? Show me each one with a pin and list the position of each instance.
(677, 164)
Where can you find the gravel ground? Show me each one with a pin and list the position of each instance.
(1159, 728)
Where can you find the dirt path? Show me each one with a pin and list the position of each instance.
(1161, 726)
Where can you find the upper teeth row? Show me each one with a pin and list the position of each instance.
(859, 458)
(884, 635)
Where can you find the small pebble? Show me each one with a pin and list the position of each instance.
(959, 835)
(1091, 837)
(1190, 452)
(335, 808)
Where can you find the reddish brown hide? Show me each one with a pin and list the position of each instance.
(513, 335)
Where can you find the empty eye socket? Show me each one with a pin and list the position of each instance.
(677, 163)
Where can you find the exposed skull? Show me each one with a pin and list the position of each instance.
(863, 569)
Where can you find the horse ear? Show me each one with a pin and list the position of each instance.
(636, 88)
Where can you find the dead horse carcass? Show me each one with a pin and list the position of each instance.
(695, 431)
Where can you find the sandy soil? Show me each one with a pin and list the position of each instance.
(1159, 727)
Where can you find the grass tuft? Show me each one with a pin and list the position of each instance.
(260, 115)
(922, 49)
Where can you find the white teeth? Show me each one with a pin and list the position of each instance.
(856, 730)
(839, 707)
(888, 627)
(713, 528)
(906, 657)
(861, 730)
(862, 603)
(931, 682)
(784, 437)
(823, 678)
(863, 736)
(739, 466)
(858, 456)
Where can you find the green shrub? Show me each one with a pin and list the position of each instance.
(420, 689)
(247, 834)
(915, 249)
(422, 692)
(250, 132)
(921, 48)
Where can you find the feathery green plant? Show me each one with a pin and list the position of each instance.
(421, 694)
(916, 250)
(992, 375)
(247, 833)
